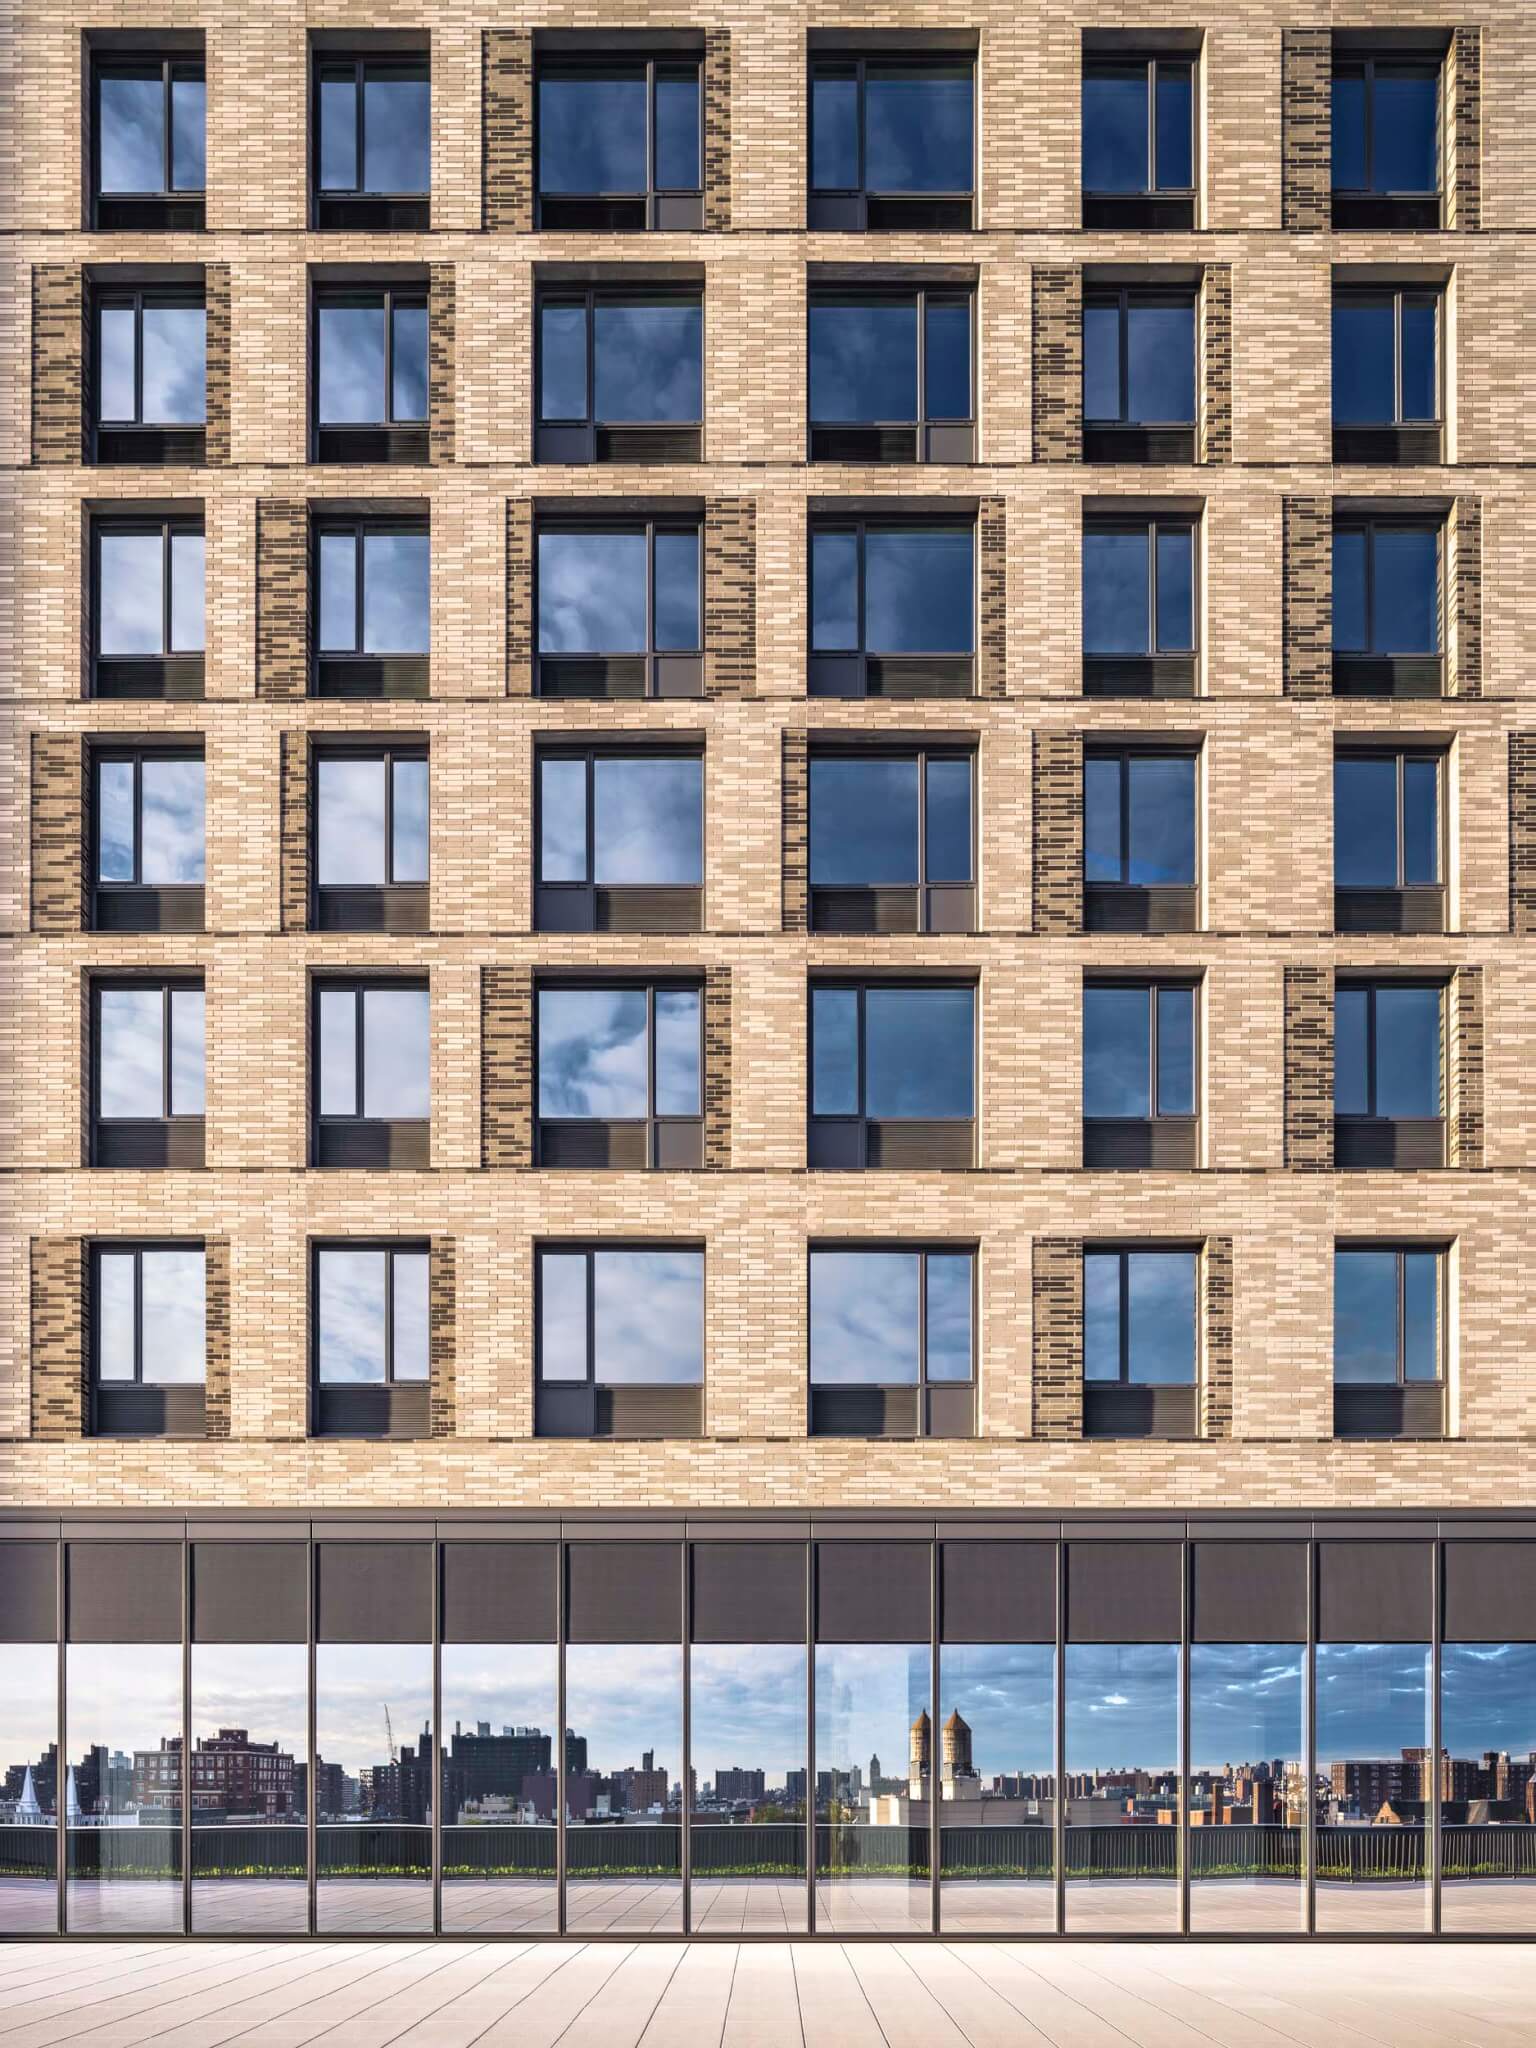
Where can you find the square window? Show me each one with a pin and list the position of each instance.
(1138, 142)
(620, 1074)
(620, 840)
(373, 140)
(891, 841)
(892, 1341)
(148, 1064)
(620, 1345)
(891, 375)
(892, 140)
(892, 1073)
(372, 624)
(372, 1068)
(149, 140)
(371, 378)
(619, 142)
(620, 374)
(619, 608)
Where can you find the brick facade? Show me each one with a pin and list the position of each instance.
(1057, 836)
(717, 1068)
(1309, 1069)
(282, 599)
(218, 1392)
(294, 834)
(1057, 1293)
(1216, 1363)
(442, 362)
(506, 1066)
(730, 597)
(1307, 596)
(992, 598)
(1214, 441)
(795, 829)
(1056, 362)
(1522, 833)
(507, 100)
(1306, 169)
(58, 363)
(1465, 1070)
(1465, 589)
(58, 832)
(216, 302)
(442, 1326)
(717, 129)
(57, 1335)
(1462, 96)
(520, 627)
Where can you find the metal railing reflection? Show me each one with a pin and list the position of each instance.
(763, 1849)
(846, 1850)
(372, 1850)
(486, 1851)
(647, 1850)
(1495, 1851)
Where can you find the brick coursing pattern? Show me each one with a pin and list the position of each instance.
(1306, 115)
(1522, 833)
(992, 599)
(440, 363)
(58, 1351)
(1057, 1296)
(1464, 1134)
(1465, 531)
(730, 597)
(441, 1328)
(717, 129)
(1216, 1373)
(506, 1066)
(1216, 363)
(519, 597)
(282, 599)
(217, 1390)
(1306, 570)
(216, 302)
(1056, 362)
(58, 363)
(58, 832)
(1309, 1069)
(293, 833)
(506, 70)
(1463, 98)
(1057, 811)
(795, 813)
(717, 1067)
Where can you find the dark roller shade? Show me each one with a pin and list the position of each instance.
(374, 1593)
(1123, 1593)
(1490, 1592)
(624, 1593)
(499, 1592)
(997, 1592)
(124, 1592)
(29, 1592)
(249, 1593)
(1250, 1593)
(748, 1592)
(1373, 1592)
(873, 1592)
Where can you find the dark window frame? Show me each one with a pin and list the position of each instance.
(352, 672)
(136, 1406)
(360, 206)
(660, 906)
(942, 438)
(834, 904)
(880, 1402)
(172, 207)
(1401, 905)
(1123, 1407)
(160, 442)
(386, 440)
(597, 1408)
(1164, 1138)
(850, 207)
(1366, 1138)
(1401, 1250)
(1377, 206)
(1119, 438)
(371, 1408)
(1400, 440)
(667, 672)
(848, 672)
(1367, 672)
(121, 1248)
(1403, 1407)
(845, 1140)
(1154, 206)
(590, 438)
(175, 1137)
(376, 1141)
(140, 906)
(655, 1128)
(390, 905)
(169, 673)
(661, 208)
(1124, 905)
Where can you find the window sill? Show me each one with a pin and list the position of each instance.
(1392, 447)
(1405, 911)
(574, 907)
(152, 447)
(1140, 1411)
(399, 909)
(363, 210)
(1397, 1142)
(1413, 212)
(171, 213)
(913, 1144)
(621, 675)
(405, 445)
(607, 1146)
(1168, 211)
(148, 676)
(1139, 675)
(580, 444)
(946, 1411)
(150, 1143)
(948, 907)
(662, 213)
(1129, 1144)
(402, 1410)
(1122, 907)
(1398, 1411)
(373, 675)
(897, 676)
(1389, 675)
(588, 1411)
(1114, 443)
(126, 909)
(148, 1411)
(374, 1143)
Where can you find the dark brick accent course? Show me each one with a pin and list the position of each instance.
(717, 1067)
(1307, 601)
(293, 832)
(443, 1397)
(1216, 363)
(440, 362)
(717, 128)
(506, 69)
(1309, 1069)
(1056, 363)
(1057, 1289)
(217, 1391)
(1465, 533)
(992, 599)
(730, 597)
(1306, 112)
(58, 363)
(1522, 833)
(1464, 1127)
(506, 1066)
(58, 832)
(282, 599)
(216, 301)
(1057, 813)
(58, 1406)
(519, 597)
(1462, 95)
(1216, 1376)
(795, 811)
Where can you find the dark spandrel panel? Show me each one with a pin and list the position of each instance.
(374, 1593)
(124, 1592)
(1124, 1592)
(499, 1592)
(1490, 1592)
(872, 1592)
(1370, 1592)
(748, 1592)
(1241, 1590)
(28, 1592)
(997, 1592)
(249, 1592)
(624, 1593)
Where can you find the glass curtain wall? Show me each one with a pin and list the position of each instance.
(747, 1810)
(250, 1778)
(29, 1788)
(1247, 1788)
(500, 1760)
(1122, 1786)
(873, 1763)
(122, 1788)
(997, 1788)
(373, 1788)
(1488, 1791)
(1374, 1788)
(623, 1788)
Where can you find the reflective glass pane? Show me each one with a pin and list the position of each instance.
(648, 361)
(677, 127)
(1122, 1774)
(562, 820)
(917, 128)
(175, 365)
(171, 796)
(29, 1773)
(175, 1317)
(350, 1343)
(834, 1052)
(562, 1315)
(592, 130)
(947, 360)
(1175, 1052)
(592, 593)
(410, 1283)
(1160, 1318)
(131, 598)
(624, 1714)
(677, 592)
(863, 827)
(1365, 1312)
(1349, 166)
(132, 139)
(338, 1052)
(1117, 603)
(748, 1748)
(1175, 132)
(116, 1316)
(338, 130)
(1101, 1315)
(122, 1788)
(648, 820)
(1162, 820)
(874, 1766)
(1407, 1051)
(351, 347)
(338, 593)
(863, 360)
(1488, 1837)
(131, 1053)
(1248, 1787)
(1101, 826)
(919, 1050)
(1407, 109)
(648, 1318)
(1160, 362)
(1362, 362)
(919, 592)
(950, 1304)
(562, 362)
(1373, 1747)
(115, 364)
(188, 1058)
(396, 1053)
(1365, 822)
(408, 370)
(397, 131)
(865, 1318)
(997, 1788)
(1350, 627)
(408, 855)
(499, 1759)
(1117, 1052)
(592, 1052)
(1115, 155)
(250, 1758)
(834, 128)
(947, 818)
(678, 1081)
(373, 1788)
(189, 132)
(187, 599)
(834, 592)
(114, 821)
(1175, 589)
(1351, 1086)
(1421, 394)
(396, 593)
(1101, 362)
(1421, 1316)
(1421, 822)
(1405, 607)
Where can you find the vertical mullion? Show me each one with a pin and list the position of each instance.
(359, 997)
(359, 545)
(809, 1745)
(560, 1784)
(858, 539)
(389, 1316)
(1184, 1768)
(1369, 97)
(591, 1263)
(1370, 1050)
(935, 1836)
(650, 606)
(359, 126)
(1123, 806)
(1397, 358)
(859, 139)
(650, 144)
(389, 350)
(1370, 585)
(1151, 125)
(1399, 766)
(1123, 1273)
(165, 1050)
(591, 340)
(922, 368)
(138, 818)
(437, 1737)
(167, 595)
(1152, 1050)
(138, 1316)
(61, 1759)
(186, 1733)
(685, 1820)
(138, 359)
(650, 1074)
(922, 838)
(1125, 350)
(1309, 1743)
(1059, 1818)
(1436, 1801)
(389, 816)
(167, 161)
